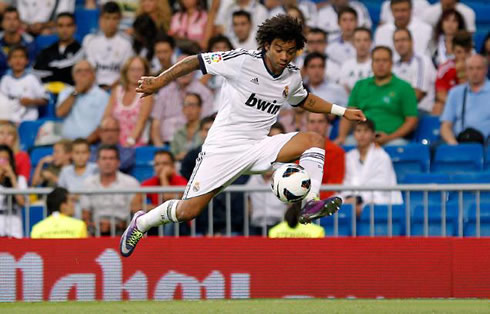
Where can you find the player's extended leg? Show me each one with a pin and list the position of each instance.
(309, 148)
(171, 211)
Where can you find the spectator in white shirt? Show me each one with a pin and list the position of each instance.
(416, 69)
(243, 37)
(402, 12)
(328, 19)
(357, 68)
(254, 7)
(432, 14)
(342, 49)
(418, 8)
(39, 15)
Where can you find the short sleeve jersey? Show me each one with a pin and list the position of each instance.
(251, 96)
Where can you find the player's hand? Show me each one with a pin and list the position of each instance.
(354, 115)
(147, 85)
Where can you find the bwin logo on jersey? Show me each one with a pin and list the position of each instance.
(263, 105)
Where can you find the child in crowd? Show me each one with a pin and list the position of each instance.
(49, 167)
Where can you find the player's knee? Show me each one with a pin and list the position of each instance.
(316, 140)
(185, 212)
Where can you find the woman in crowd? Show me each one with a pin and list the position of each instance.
(450, 22)
(128, 107)
(10, 137)
(159, 11)
(189, 22)
(10, 218)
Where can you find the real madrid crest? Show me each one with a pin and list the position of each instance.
(285, 92)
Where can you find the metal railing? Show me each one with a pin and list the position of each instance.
(463, 201)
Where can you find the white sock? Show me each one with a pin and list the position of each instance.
(162, 214)
(312, 160)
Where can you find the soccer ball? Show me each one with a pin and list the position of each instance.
(290, 183)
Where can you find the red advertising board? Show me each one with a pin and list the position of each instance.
(205, 268)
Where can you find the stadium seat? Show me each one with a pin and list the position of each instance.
(427, 131)
(470, 228)
(36, 214)
(28, 132)
(347, 148)
(434, 220)
(487, 158)
(144, 154)
(417, 197)
(87, 22)
(43, 41)
(38, 153)
(142, 172)
(409, 158)
(49, 111)
(381, 221)
(344, 215)
(458, 158)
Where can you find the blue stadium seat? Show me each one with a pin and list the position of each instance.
(417, 197)
(142, 172)
(38, 153)
(144, 154)
(458, 158)
(345, 215)
(427, 131)
(49, 111)
(28, 132)
(409, 158)
(347, 148)
(434, 220)
(36, 214)
(469, 229)
(487, 158)
(381, 220)
(87, 22)
(43, 41)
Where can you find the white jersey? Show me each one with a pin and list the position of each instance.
(352, 71)
(339, 51)
(250, 97)
(41, 11)
(107, 55)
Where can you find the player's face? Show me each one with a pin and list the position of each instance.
(108, 162)
(317, 122)
(364, 136)
(381, 64)
(109, 23)
(241, 27)
(450, 25)
(80, 154)
(401, 12)
(348, 23)
(362, 43)
(163, 52)
(18, 61)
(279, 54)
(315, 71)
(403, 43)
(65, 27)
(316, 42)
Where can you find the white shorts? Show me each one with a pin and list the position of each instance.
(218, 169)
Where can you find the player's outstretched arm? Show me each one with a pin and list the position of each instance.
(151, 84)
(316, 104)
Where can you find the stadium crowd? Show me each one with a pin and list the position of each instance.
(69, 69)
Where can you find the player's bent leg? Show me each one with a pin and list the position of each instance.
(298, 145)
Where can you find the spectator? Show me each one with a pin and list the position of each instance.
(433, 13)
(189, 161)
(144, 45)
(387, 100)
(100, 209)
(328, 17)
(23, 88)
(38, 14)
(369, 165)
(13, 36)
(60, 224)
(334, 166)
(164, 51)
(109, 135)
(265, 208)
(485, 51)
(304, 10)
(418, 8)
(189, 22)
(402, 12)
(167, 117)
(10, 137)
(10, 218)
(449, 24)
(107, 51)
(242, 31)
(357, 68)
(128, 107)
(55, 63)
(223, 21)
(452, 72)
(416, 69)
(342, 48)
(82, 106)
(187, 137)
(160, 12)
(466, 116)
(314, 66)
(291, 228)
(49, 167)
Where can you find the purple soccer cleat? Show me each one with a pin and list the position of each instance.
(131, 236)
(315, 209)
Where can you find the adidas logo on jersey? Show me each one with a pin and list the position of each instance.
(263, 105)
(255, 80)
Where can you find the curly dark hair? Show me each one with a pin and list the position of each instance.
(283, 27)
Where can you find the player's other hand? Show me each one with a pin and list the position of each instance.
(147, 85)
(354, 115)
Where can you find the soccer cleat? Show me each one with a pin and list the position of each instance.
(131, 236)
(315, 209)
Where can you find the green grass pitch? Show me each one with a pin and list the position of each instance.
(258, 306)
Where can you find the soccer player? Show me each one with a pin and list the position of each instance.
(257, 84)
